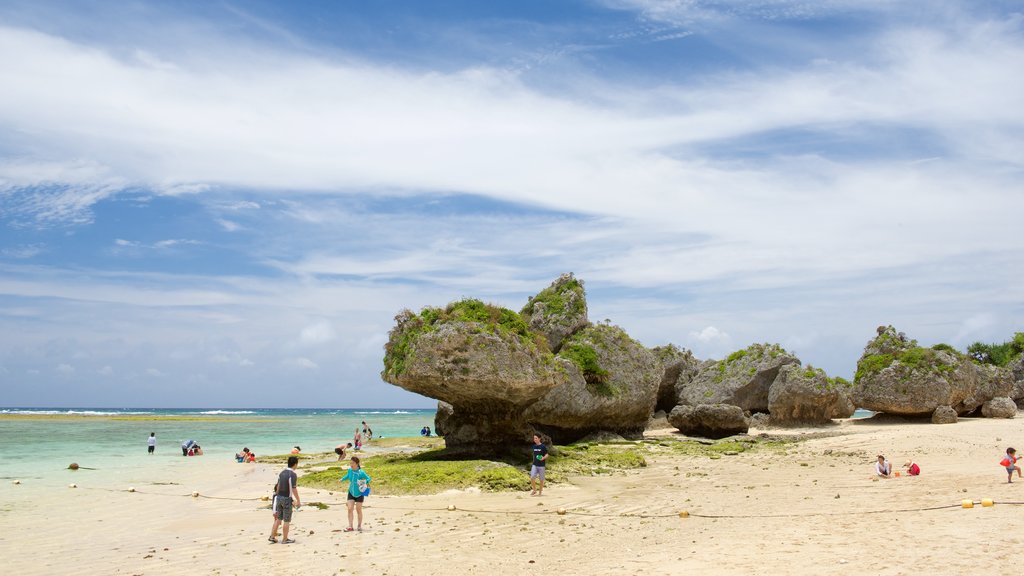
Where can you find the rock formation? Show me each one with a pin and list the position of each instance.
(679, 369)
(807, 396)
(558, 311)
(480, 359)
(709, 420)
(896, 376)
(944, 415)
(743, 379)
(612, 385)
(999, 408)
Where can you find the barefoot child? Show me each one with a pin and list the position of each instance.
(358, 489)
(1010, 463)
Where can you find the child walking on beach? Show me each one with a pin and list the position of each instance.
(286, 492)
(540, 461)
(1010, 463)
(358, 489)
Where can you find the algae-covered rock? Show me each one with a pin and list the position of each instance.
(558, 311)
(743, 379)
(896, 376)
(709, 420)
(679, 367)
(1016, 369)
(611, 385)
(471, 355)
(999, 408)
(802, 395)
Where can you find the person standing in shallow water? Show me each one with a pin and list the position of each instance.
(539, 465)
(152, 442)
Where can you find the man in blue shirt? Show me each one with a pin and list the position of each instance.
(540, 457)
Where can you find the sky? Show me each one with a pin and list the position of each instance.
(225, 203)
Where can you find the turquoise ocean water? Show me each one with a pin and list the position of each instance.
(37, 448)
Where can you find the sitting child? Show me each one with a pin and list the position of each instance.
(883, 468)
(912, 468)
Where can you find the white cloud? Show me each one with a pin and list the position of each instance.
(65, 369)
(302, 363)
(105, 371)
(320, 332)
(229, 225)
(709, 334)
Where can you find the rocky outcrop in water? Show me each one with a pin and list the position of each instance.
(709, 420)
(743, 379)
(896, 376)
(807, 396)
(611, 385)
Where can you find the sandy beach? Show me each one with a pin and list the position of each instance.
(814, 508)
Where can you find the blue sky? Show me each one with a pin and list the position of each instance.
(226, 203)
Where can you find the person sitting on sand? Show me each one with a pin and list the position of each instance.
(340, 450)
(251, 458)
(883, 468)
(1010, 463)
(912, 468)
(242, 456)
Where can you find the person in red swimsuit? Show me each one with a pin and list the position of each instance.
(912, 468)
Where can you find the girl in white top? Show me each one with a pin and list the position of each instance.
(882, 467)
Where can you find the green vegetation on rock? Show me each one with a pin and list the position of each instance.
(556, 298)
(585, 358)
(912, 357)
(485, 317)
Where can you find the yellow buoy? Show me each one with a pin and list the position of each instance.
(987, 502)
(131, 489)
(195, 494)
(561, 511)
(684, 514)
(967, 503)
(17, 482)
(265, 498)
(451, 507)
(72, 485)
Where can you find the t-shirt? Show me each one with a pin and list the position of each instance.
(358, 481)
(152, 440)
(539, 452)
(283, 486)
(882, 469)
(914, 469)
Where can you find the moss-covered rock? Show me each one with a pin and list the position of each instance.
(679, 367)
(897, 376)
(806, 395)
(742, 379)
(612, 384)
(558, 311)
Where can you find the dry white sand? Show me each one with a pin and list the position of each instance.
(802, 513)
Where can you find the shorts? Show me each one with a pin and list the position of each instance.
(1011, 468)
(339, 451)
(151, 449)
(283, 508)
(356, 498)
(537, 471)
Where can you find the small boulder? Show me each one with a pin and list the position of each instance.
(760, 420)
(709, 420)
(944, 415)
(999, 408)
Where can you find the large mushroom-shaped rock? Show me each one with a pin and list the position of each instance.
(480, 359)
(896, 376)
(806, 396)
(709, 420)
(743, 379)
(944, 415)
(679, 367)
(558, 311)
(611, 385)
(999, 408)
